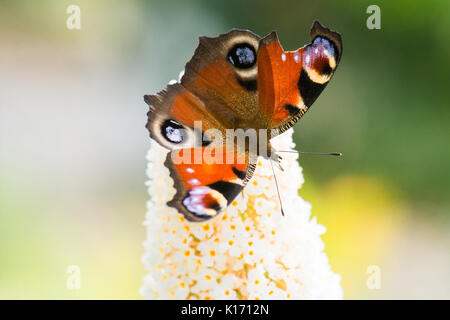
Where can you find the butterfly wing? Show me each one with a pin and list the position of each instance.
(290, 81)
(207, 174)
(205, 188)
(223, 75)
(172, 118)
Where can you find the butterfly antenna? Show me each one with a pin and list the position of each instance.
(314, 153)
(278, 190)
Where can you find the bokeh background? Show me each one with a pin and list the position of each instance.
(73, 142)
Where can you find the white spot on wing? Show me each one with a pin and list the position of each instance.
(308, 58)
(283, 56)
(181, 75)
(194, 202)
(194, 182)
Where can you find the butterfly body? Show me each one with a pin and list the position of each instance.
(238, 91)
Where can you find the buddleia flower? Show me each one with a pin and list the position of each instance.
(249, 251)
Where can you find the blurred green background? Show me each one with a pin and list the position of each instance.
(73, 142)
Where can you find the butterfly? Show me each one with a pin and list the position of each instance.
(234, 81)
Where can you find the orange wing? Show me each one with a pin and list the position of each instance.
(290, 81)
(223, 73)
(207, 179)
(278, 74)
(172, 116)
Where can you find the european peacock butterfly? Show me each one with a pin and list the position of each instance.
(236, 81)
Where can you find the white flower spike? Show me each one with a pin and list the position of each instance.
(250, 251)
